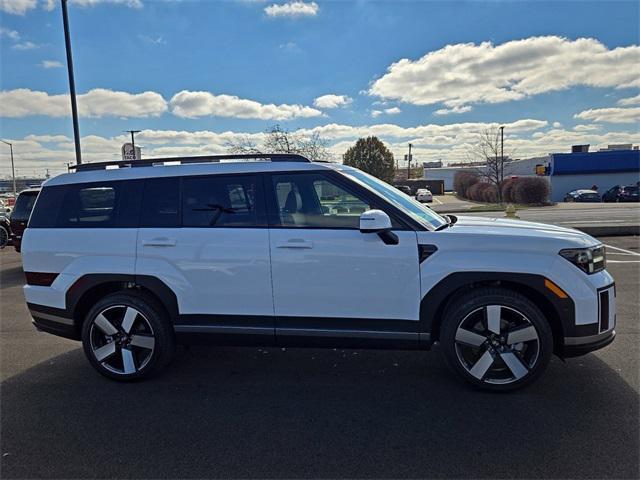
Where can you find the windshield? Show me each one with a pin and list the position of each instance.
(415, 209)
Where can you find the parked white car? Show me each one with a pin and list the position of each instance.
(288, 252)
(423, 195)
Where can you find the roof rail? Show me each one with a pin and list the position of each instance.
(150, 162)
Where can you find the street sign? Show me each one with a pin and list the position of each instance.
(129, 154)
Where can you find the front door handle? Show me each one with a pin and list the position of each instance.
(159, 242)
(295, 243)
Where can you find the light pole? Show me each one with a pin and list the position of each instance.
(133, 142)
(13, 171)
(409, 164)
(72, 82)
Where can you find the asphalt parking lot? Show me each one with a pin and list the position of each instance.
(248, 412)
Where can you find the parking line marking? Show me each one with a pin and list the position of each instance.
(623, 250)
(436, 200)
(623, 261)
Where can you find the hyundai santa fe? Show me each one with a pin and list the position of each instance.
(134, 258)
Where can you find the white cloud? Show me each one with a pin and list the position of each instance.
(291, 47)
(17, 7)
(586, 128)
(449, 142)
(51, 64)
(25, 46)
(557, 125)
(625, 102)
(156, 40)
(332, 101)
(51, 4)
(387, 111)
(92, 3)
(456, 109)
(294, 9)
(10, 34)
(189, 104)
(98, 102)
(461, 74)
(611, 115)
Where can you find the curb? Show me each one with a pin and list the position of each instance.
(609, 230)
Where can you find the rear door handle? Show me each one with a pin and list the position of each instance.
(159, 242)
(295, 243)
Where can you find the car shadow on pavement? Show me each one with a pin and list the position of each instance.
(11, 277)
(246, 412)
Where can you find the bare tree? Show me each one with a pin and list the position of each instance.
(488, 150)
(278, 140)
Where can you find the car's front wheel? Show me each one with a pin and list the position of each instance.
(127, 336)
(496, 339)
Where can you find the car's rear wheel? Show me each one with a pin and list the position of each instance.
(496, 339)
(127, 336)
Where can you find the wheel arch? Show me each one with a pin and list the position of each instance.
(89, 289)
(559, 312)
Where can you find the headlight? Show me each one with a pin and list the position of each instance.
(589, 260)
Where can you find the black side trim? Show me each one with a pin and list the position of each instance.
(434, 302)
(249, 321)
(66, 331)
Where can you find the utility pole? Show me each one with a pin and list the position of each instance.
(72, 82)
(501, 153)
(13, 171)
(133, 142)
(409, 164)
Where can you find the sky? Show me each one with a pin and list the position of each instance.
(197, 75)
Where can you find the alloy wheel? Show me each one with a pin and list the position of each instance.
(122, 340)
(497, 344)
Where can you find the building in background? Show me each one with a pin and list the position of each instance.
(605, 169)
(580, 169)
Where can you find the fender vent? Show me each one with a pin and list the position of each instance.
(425, 251)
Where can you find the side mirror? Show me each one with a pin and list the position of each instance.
(376, 221)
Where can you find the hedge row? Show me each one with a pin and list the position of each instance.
(525, 190)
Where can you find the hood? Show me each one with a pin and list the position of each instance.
(519, 228)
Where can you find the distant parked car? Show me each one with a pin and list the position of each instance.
(424, 195)
(20, 215)
(619, 193)
(404, 189)
(582, 196)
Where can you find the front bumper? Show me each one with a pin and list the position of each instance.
(577, 346)
(587, 338)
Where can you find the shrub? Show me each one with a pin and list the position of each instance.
(481, 192)
(490, 194)
(507, 187)
(462, 182)
(528, 190)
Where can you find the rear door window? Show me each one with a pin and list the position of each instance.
(222, 201)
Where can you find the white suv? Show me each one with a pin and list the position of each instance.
(135, 258)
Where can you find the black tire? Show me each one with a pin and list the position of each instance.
(133, 348)
(4, 237)
(516, 314)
